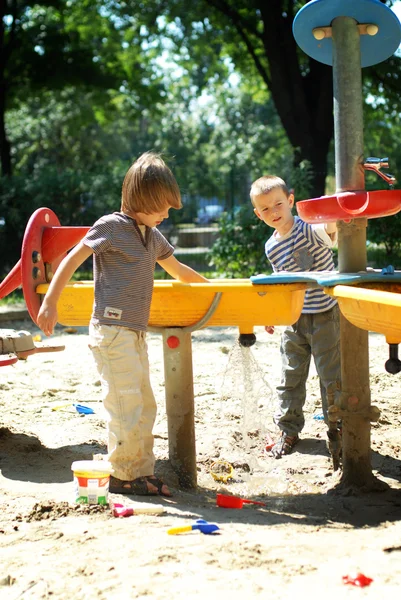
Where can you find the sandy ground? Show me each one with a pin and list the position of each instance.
(300, 544)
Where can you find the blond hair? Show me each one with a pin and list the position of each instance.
(266, 184)
(149, 186)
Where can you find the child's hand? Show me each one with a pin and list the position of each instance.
(269, 329)
(47, 317)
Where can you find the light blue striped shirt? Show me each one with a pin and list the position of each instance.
(304, 248)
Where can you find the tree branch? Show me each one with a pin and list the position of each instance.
(226, 9)
(241, 25)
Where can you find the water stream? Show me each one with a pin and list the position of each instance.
(247, 398)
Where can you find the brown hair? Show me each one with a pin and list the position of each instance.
(266, 184)
(149, 186)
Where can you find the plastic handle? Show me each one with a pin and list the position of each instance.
(175, 530)
(254, 502)
(152, 509)
(343, 197)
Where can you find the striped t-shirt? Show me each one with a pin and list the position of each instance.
(123, 266)
(304, 248)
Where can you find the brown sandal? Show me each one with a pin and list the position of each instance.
(138, 486)
(284, 445)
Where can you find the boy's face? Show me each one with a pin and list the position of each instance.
(274, 208)
(153, 219)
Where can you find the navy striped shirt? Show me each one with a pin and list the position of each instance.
(304, 248)
(123, 266)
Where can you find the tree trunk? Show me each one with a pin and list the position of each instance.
(317, 157)
(5, 148)
(303, 95)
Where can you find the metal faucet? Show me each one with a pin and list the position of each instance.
(376, 164)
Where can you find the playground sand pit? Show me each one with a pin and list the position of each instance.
(302, 542)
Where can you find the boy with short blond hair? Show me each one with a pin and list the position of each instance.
(296, 246)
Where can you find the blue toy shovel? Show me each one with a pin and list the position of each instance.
(200, 524)
(84, 410)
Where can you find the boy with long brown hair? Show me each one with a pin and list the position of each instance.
(126, 246)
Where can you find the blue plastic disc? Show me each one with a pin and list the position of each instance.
(320, 13)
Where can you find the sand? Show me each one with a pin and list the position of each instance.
(301, 543)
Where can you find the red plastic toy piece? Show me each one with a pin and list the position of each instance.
(119, 510)
(358, 579)
(345, 206)
(173, 342)
(8, 359)
(11, 281)
(225, 501)
(45, 241)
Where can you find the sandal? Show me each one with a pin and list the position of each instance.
(138, 486)
(284, 445)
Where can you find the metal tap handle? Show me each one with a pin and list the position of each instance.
(376, 163)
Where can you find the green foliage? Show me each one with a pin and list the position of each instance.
(239, 250)
(382, 138)
(16, 298)
(215, 42)
(379, 257)
(77, 198)
(91, 84)
(386, 232)
(53, 43)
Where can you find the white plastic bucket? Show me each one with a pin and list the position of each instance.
(91, 481)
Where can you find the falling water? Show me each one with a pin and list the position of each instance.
(246, 396)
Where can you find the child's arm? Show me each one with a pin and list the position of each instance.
(331, 230)
(47, 317)
(180, 271)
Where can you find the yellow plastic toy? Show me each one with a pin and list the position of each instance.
(221, 470)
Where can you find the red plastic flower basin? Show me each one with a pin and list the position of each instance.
(345, 206)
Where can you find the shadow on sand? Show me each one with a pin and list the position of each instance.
(24, 458)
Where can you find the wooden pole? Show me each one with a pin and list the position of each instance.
(355, 409)
(177, 352)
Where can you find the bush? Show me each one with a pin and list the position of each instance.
(76, 198)
(385, 231)
(239, 250)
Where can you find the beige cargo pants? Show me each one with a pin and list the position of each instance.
(122, 362)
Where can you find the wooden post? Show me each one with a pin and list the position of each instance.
(355, 410)
(177, 352)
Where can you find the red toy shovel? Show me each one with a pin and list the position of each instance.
(234, 502)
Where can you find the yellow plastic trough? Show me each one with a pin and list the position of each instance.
(176, 304)
(177, 310)
(370, 309)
